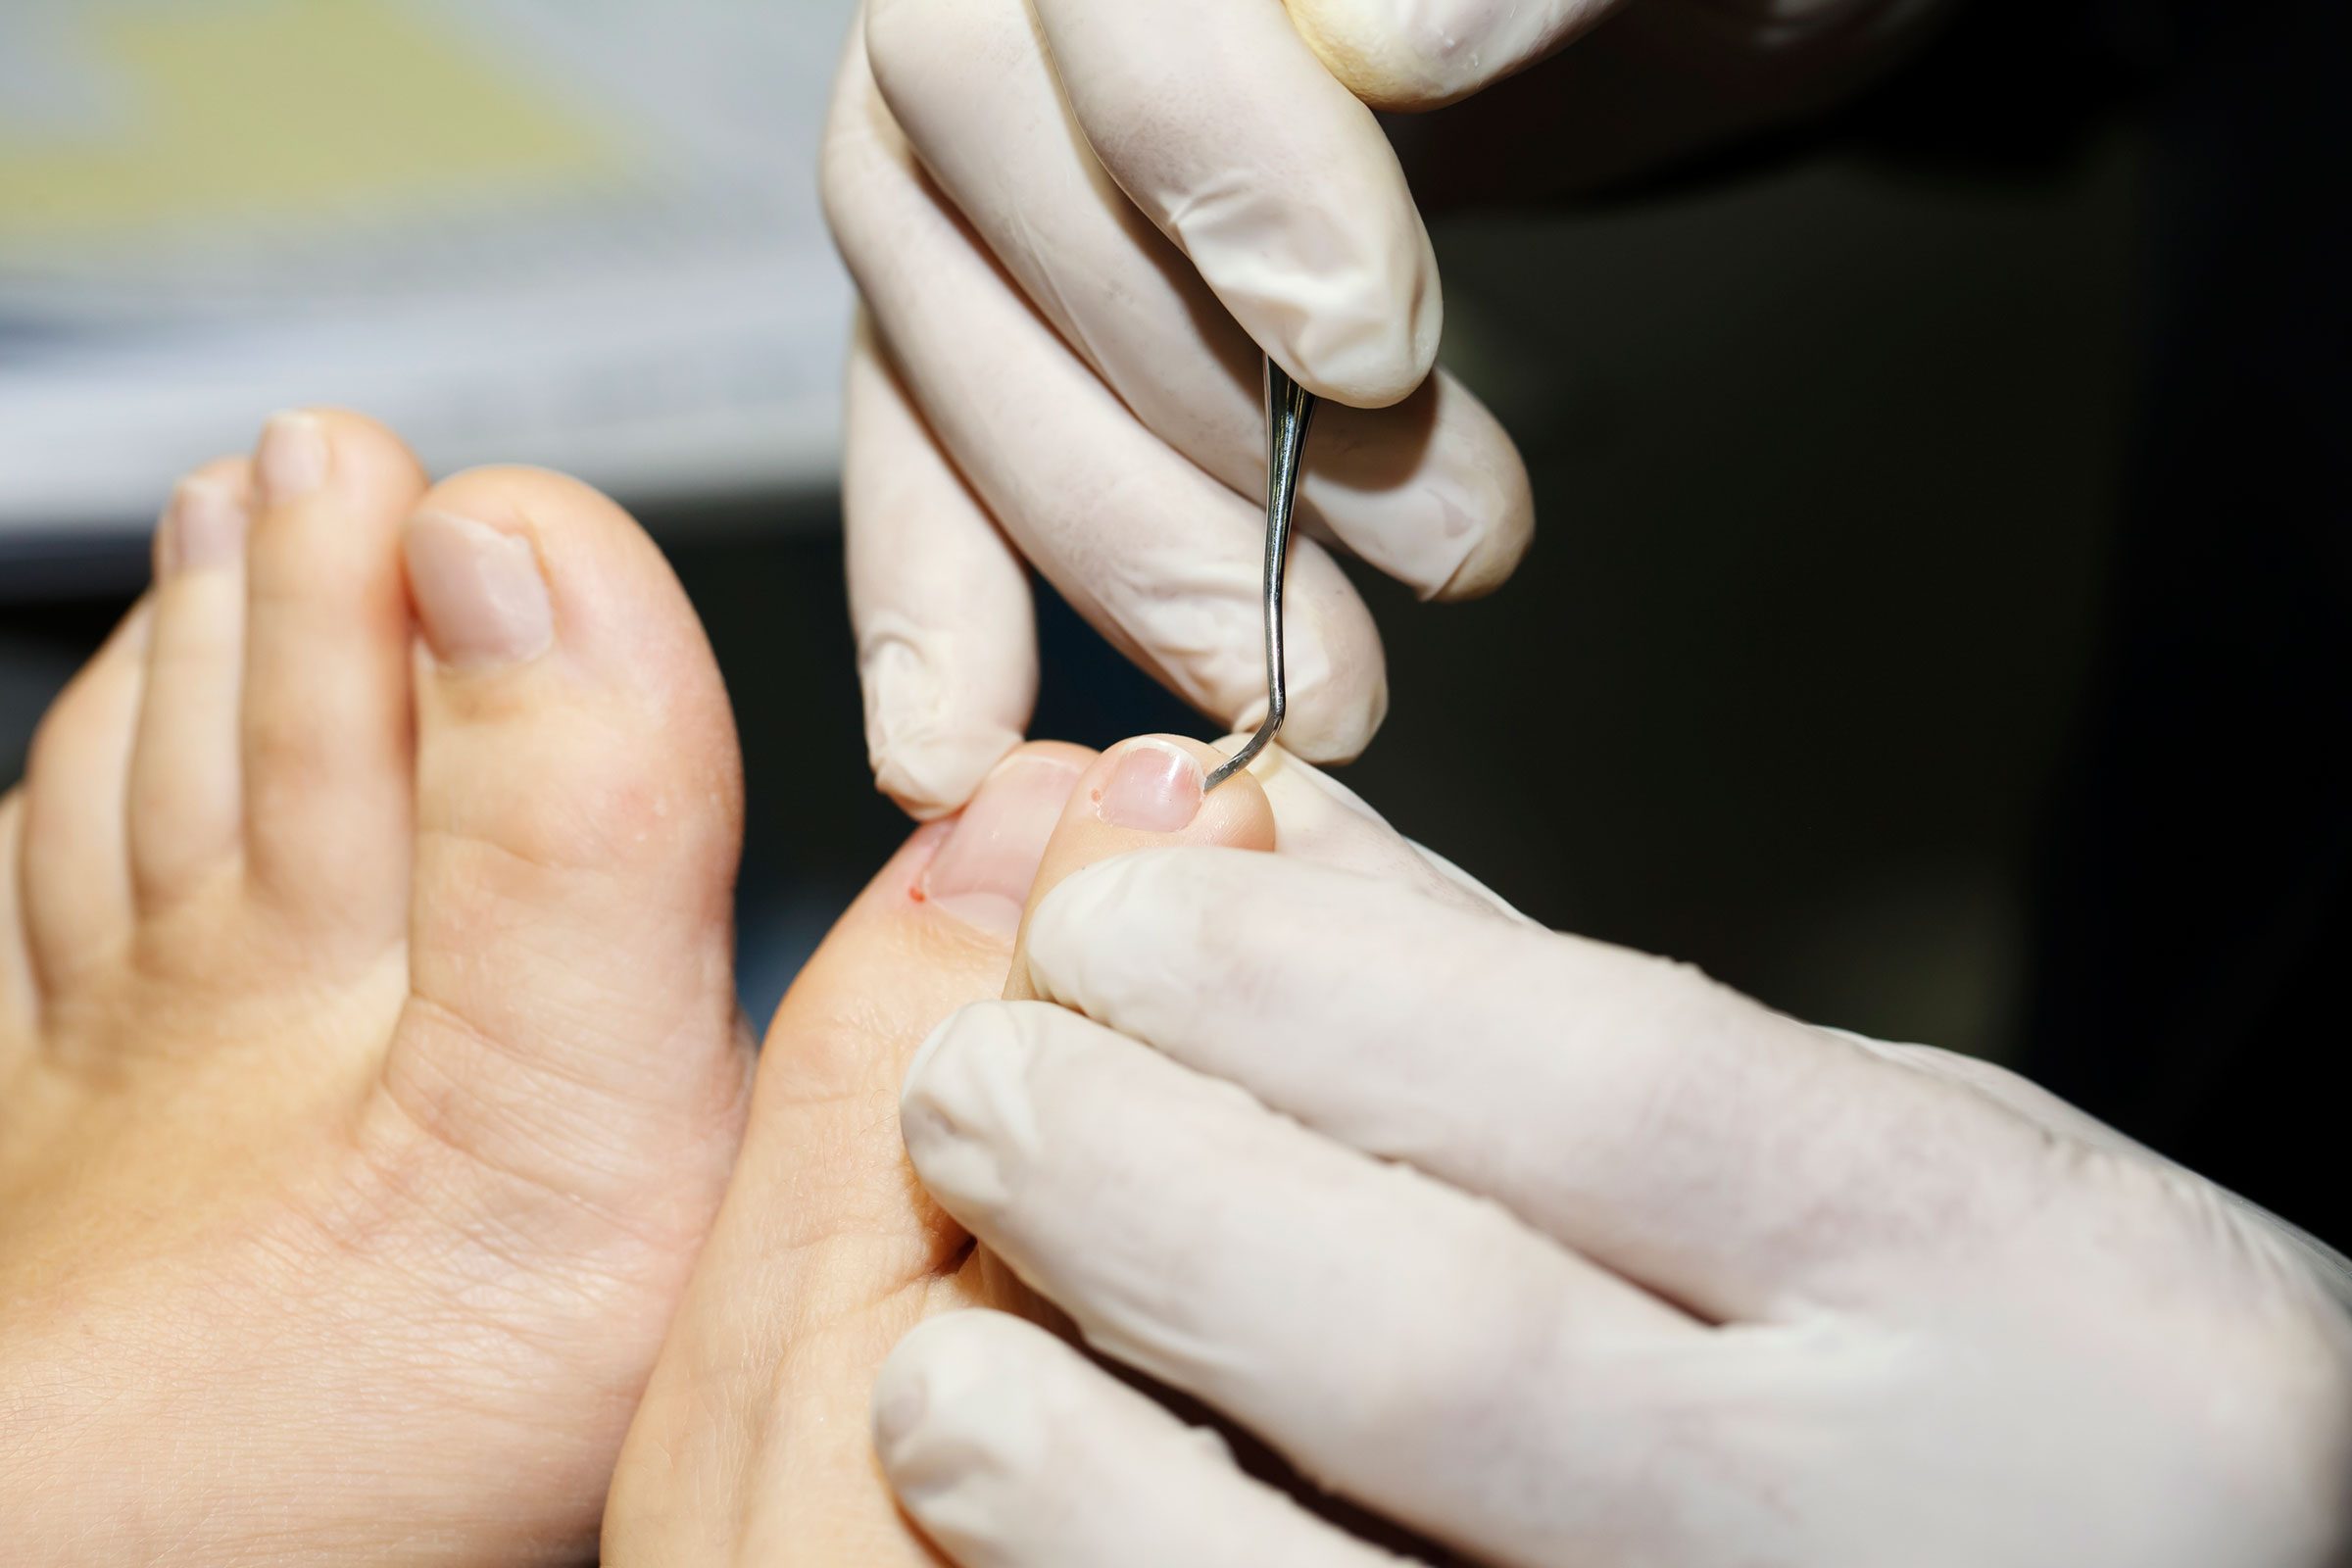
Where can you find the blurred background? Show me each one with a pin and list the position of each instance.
(1936, 626)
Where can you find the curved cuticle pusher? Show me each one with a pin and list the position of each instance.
(1290, 409)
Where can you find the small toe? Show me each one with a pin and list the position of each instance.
(184, 803)
(325, 721)
(76, 857)
(19, 1007)
(578, 818)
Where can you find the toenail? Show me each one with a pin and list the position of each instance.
(478, 591)
(981, 875)
(204, 527)
(291, 461)
(1153, 788)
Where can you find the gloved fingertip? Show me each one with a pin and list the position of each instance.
(1465, 537)
(1369, 353)
(966, 1113)
(1329, 718)
(953, 1406)
(1375, 386)
(1498, 543)
(929, 1410)
(1413, 55)
(927, 749)
(929, 779)
(1341, 292)
(1372, 66)
(901, 1402)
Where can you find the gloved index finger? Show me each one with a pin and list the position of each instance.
(1222, 126)
(1662, 1125)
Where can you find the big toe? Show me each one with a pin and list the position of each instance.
(933, 931)
(1142, 794)
(571, 1016)
(751, 1439)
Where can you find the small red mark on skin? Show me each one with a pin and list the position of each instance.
(917, 893)
(1096, 796)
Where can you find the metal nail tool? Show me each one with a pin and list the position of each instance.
(1290, 409)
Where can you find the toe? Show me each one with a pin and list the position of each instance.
(827, 1249)
(578, 817)
(325, 731)
(932, 931)
(184, 803)
(18, 1008)
(1142, 794)
(76, 871)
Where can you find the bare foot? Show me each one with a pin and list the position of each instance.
(754, 1444)
(369, 1070)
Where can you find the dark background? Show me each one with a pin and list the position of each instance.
(1938, 620)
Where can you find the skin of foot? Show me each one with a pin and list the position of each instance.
(370, 1065)
(753, 1443)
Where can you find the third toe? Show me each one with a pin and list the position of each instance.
(327, 726)
(183, 803)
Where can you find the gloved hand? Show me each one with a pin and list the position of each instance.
(1075, 224)
(1560, 1255)
(1073, 229)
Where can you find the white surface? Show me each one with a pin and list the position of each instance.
(667, 321)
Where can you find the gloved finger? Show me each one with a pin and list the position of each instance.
(1157, 556)
(947, 646)
(1431, 490)
(2036, 1105)
(1399, 1340)
(1012, 1450)
(1421, 54)
(1319, 819)
(1664, 1126)
(1224, 128)
(2020, 1095)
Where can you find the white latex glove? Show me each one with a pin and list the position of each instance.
(1056, 372)
(1076, 223)
(1560, 1254)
